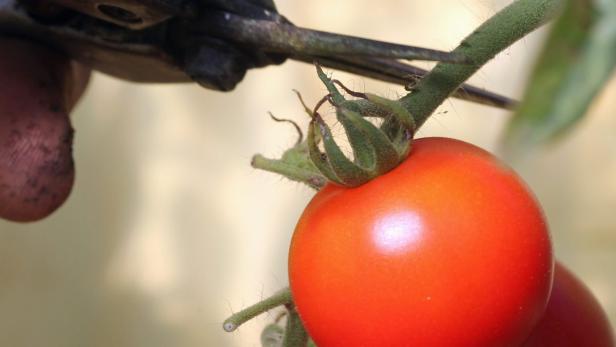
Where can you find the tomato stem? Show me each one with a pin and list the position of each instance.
(272, 335)
(295, 335)
(497, 33)
(283, 297)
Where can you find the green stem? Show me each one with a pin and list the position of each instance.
(295, 335)
(497, 33)
(283, 297)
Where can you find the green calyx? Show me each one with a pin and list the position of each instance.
(295, 163)
(375, 149)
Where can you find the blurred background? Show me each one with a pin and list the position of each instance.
(169, 230)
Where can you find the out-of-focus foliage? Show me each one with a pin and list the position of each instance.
(576, 62)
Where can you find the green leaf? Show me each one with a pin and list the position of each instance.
(363, 151)
(397, 109)
(349, 173)
(577, 61)
(383, 152)
(319, 159)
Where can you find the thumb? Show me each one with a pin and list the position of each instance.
(38, 87)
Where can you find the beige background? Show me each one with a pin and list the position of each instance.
(169, 230)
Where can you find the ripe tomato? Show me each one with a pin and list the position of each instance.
(448, 249)
(573, 317)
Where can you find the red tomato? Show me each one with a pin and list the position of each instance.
(573, 317)
(448, 249)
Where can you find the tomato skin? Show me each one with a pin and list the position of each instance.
(573, 316)
(448, 249)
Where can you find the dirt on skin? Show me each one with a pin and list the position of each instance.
(36, 166)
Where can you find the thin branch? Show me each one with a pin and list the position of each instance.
(499, 32)
(295, 334)
(281, 298)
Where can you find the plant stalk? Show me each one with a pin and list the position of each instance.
(497, 33)
(295, 335)
(283, 297)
